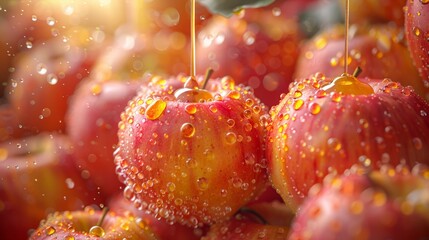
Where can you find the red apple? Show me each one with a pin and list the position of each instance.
(195, 156)
(417, 34)
(258, 50)
(386, 204)
(325, 125)
(92, 124)
(261, 221)
(380, 50)
(161, 229)
(84, 225)
(370, 11)
(37, 177)
(45, 79)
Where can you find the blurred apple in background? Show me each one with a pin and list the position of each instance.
(46, 77)
(92, 124)
(376, 11)
(258, 49)
(380, 50)
(37, 177)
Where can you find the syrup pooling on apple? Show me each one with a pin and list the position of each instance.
(348, 84)
(199, 158)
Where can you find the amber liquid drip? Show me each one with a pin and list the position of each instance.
(193, 67)
(346, 45)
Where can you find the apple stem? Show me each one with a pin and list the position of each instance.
(346, 44)
(209, 73)
(246, 210)
(193, 64)
(103, 215)
(357, 72)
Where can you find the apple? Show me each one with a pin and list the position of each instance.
(260, 221)
(391, 203)
(379, 49)
(193, 157)
(37, 177)
(85, 224)
(324, 125)
(44, 80)
(376, 11)
(161, 229)
(258, 49)
(417, 34)
(92, 124)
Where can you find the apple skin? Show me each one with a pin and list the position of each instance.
(37, 177)
(379, 49)
(77, 225)
(246, 225)
(386, 204)
(314, 132)
(161, 229)
(44, 80)
(258, 50)
(194, 162)
(376, 11)
(92, 124)
(417, 34)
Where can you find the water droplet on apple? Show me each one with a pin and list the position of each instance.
(416, 31)
(52, 79)
(418, 144)
(230, 138)
(41, 69)
(69, 237)
(97, 231)
(234, 94)
(314, 108)
(50, 21)
(187, 130)
(298, 104)
(334, 144)
(50, 230)
(171, 186)
(276, 11)
(29, 44)
(202, 183)
(155, 109)
(191, 108)
(230, 122)
(33, 18)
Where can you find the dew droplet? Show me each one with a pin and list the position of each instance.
(231, 138)
(334, 144)
(191, 108)
(202, 183)
(29, 44)
(50, 21)
(50, 230)
(424, 1)
(33, 18)
(41, 69)
(97, 231)
(298, 104)
(418, 144)
(155, 109)
(416, 31)
(52, 79)
(234, 95)
(230, 122)
(187, 130)
(314, 108)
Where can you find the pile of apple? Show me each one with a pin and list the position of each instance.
(104, 134)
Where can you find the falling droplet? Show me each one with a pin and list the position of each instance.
(155, 109)
(187, 130)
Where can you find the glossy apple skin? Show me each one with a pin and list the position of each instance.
(161, 229)
(258, 49)
(37, 177)
(314, 133)
(77, 225)
(92, 124)
(417, 34)
(376, 11)
(197, 162)
(39, 102)
(385, 204)
(246, 225)
(380, 50)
